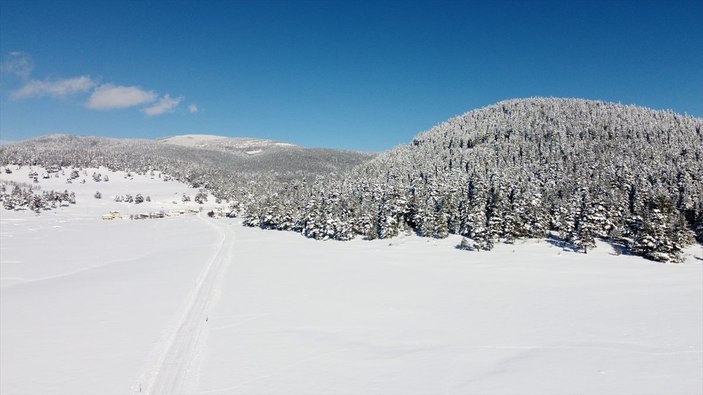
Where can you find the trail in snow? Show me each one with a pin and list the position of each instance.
(175, 367)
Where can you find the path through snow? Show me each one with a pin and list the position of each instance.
(175, 369)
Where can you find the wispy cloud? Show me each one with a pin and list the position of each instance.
(59, 88)
(17, 63)
(108, 97)
(102, 96)
(163, 105)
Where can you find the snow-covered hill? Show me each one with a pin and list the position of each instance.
(577, 169)
(193, 304)
(241, 169)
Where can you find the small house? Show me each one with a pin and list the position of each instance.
(112, 215)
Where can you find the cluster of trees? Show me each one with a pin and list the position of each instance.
(525, 168)
(20, 196)
(201, 196)
(97, 177)
(128, 198)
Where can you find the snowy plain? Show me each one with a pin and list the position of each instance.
(191, 304)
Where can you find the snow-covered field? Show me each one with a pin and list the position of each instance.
(190, 304)
(86, 304)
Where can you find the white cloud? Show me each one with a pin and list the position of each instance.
(193, 108)
(108, 97)
(60, 88)
(17, 63)
(102, 96)
(163, 105)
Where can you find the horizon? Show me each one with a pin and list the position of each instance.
(354, 76)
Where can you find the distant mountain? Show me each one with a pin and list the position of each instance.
(250, 146)
(231, 167)
(521, 168)
(258, 155)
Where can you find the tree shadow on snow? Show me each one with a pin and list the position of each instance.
(620, 247)
(563, 244)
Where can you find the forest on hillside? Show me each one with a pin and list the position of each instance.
(574, 169)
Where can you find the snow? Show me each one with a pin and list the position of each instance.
(85, 304)
(191, 304)
(416, 316)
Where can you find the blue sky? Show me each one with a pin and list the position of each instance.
(356, 75)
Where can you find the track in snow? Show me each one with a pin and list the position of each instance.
(175, 365)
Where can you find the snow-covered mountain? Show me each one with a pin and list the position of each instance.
(245, 154)
(237, 168)
(522, 168)
(261, 155)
